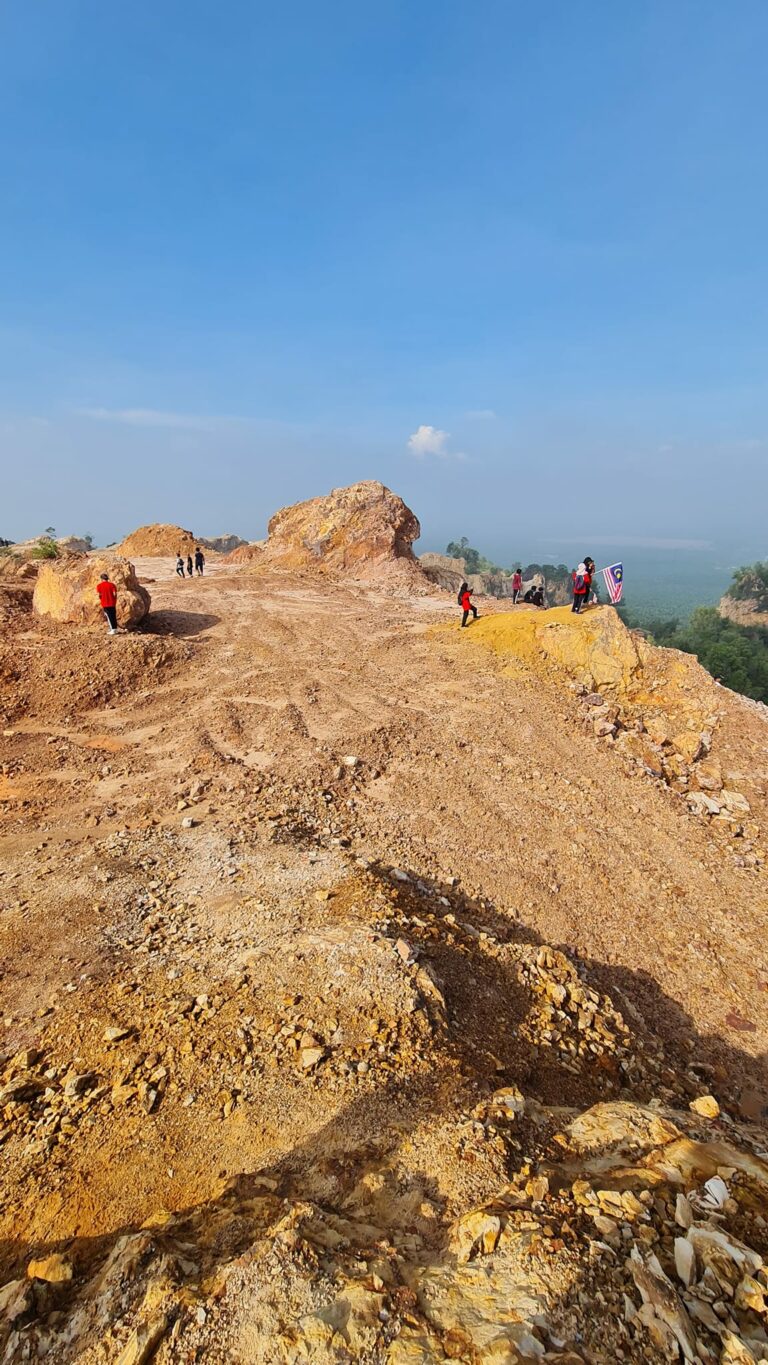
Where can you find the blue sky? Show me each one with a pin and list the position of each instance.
(507, 257)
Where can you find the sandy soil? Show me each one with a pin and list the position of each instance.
(318, 738)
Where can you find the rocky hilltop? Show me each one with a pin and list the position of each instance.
(163, 540)
(249, 553)
(223, 545)
(375, 990)
(65, 545)
(157, 539)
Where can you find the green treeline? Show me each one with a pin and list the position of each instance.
(734, 654)
(751, 583)
(477, 563)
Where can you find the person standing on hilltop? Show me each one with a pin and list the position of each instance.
(199, 561)
(466, 603)
(582, 584)
(108, 597)
(180, 566)
(590, 567)
(517, 587)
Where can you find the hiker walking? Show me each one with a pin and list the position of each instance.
(180, 566)
(108, 598)
(199, 561)
(466, 603)
(517, 587)
(189, 565)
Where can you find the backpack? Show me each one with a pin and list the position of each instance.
(460, 597)
(579, 584)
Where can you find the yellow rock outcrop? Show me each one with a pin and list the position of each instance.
(595, 649)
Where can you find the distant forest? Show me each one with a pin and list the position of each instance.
(734, 654)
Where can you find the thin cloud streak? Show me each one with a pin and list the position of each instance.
(151, 417)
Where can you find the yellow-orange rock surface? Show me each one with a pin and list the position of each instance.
(745, 611)
(350, 529)
(670, 689)
(246, 554)
(66, 590)
(595, 649)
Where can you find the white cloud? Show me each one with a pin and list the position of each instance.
(151, 417)
(426, 440)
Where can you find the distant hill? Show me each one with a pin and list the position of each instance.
(746, 600)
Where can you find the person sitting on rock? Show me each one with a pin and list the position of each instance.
(108, 598)
(199, 561)
(180, 567)
(189, 565)
(466, 603)
(538, 596)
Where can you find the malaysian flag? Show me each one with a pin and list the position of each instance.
(613, 577)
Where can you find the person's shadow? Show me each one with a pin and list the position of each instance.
(182, 624)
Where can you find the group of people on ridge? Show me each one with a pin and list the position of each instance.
(199, 563)
(582, 591)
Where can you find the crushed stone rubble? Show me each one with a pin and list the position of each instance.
(679, 756)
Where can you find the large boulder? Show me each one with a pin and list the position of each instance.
(596, 649)
(156, 540)
(351, 530)
(66, 590)
(444, 571)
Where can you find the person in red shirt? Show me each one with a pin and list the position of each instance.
(517, 587)
(466, 603)
(108, 598)
(582, 584)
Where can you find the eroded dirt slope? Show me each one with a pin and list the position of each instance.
(294, 884)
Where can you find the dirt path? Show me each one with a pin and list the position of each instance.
(213, 828)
